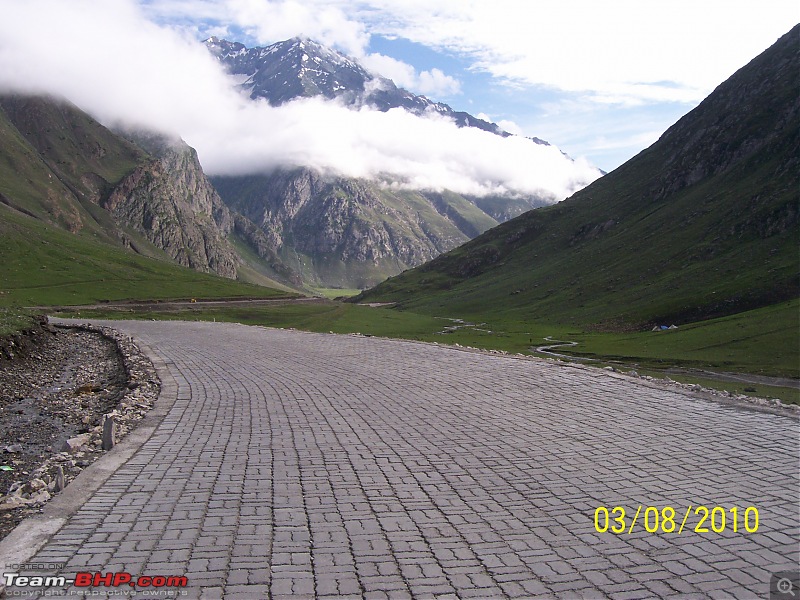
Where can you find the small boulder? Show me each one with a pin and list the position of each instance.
(40, 497)
(12, 502)
(60, 481)
(109, 433)
(76, 443)
(33, 487)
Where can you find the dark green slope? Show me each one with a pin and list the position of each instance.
(703, 223)
(56, 163)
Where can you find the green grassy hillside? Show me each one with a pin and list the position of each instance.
(702, 224)
(56, 163)
(45, 265)
(59, 245)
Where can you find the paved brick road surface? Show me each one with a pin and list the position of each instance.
(298, 465)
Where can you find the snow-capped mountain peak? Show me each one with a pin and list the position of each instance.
(301, 67)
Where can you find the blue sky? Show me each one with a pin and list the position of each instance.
(601, 80)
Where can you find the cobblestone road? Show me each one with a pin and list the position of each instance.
(302, 465)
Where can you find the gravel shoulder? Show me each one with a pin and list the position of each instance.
(58, 385)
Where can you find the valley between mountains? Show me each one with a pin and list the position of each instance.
(698, 231)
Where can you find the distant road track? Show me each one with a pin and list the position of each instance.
(156, 304)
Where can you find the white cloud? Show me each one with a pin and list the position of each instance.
(510, 127)
(429, 83)
(415, 152)
(436, 83)
(269, 22)
(641, 64)
(107, 58)
(625, 52)
(504, 124)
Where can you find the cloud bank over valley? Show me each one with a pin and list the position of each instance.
(110, 60)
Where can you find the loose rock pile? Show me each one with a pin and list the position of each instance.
(54, 402)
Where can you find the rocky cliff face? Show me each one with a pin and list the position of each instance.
(170, 201)
(341, 232)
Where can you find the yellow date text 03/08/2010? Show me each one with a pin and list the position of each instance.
(654, 520)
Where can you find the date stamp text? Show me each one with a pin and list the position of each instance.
(699, 519)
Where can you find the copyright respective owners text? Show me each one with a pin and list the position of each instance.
(785, 585)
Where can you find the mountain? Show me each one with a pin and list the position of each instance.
(338, 231)
(57, 163)
(348, 233)
(169, 201)
(703, 223)
(141, 191)
(303, 68)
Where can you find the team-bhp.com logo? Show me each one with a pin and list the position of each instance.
(87, 579)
